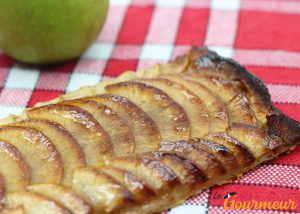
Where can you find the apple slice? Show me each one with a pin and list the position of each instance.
(221, 152)
(139, 189)
(257, 105)
(195, 109)
(243, 156)
(72, 155)
(143, 127)
(202, 158)
(242, 110)
(218, 118)
(260, 109)
(152, 172)
(226, 89)
(101, 190)
(94, 141)
(169, 116)
(254, 138)
(34, 203)
(119, 132)
(63, 196)
(237, 103)
(42, 158)
(17, 210)
(187, 172)
(13, 168)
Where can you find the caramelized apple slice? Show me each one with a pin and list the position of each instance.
(203, 159)
(224, 88)
(169, 116)
(63, 196)
(94, 141)
(152, 172)
(218, 118)
(242, 109)
(187, 172)
(72, 155)
(101, 190)
(221, 152)
(144, 129)
(13, 168)
(254, 138)
(193, 106)
(259, 108)
(120, 134)
(139, 189)
(39, 153)
(243, 156)
(17, 210)
(239, 109)
(34, 203)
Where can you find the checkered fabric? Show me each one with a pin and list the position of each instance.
(263, 35)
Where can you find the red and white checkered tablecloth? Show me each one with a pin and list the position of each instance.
(263, 35)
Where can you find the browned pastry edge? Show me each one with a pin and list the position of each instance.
(278, 129)
(279, 126)
(287, 129)
(210, 59)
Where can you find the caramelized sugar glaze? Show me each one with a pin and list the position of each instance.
(142, 142)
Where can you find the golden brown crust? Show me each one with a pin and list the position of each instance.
(282, 127)
(203, 58)
(242, 130)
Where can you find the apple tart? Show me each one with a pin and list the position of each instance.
(142, 142)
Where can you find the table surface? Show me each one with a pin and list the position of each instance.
(262, 35)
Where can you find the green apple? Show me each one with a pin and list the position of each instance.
(49, 31)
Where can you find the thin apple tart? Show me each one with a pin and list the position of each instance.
(142, 142)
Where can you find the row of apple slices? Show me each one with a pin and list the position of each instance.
(138, 179)
(131, 179)
(172, 120)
